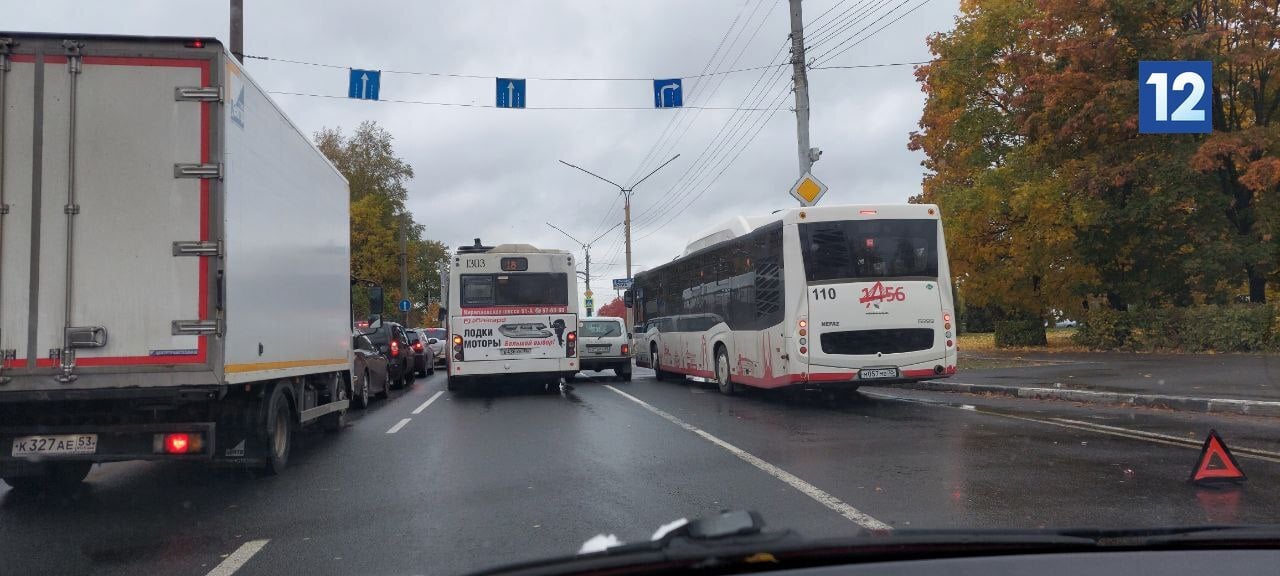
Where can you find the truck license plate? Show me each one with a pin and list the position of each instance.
(877, 373)
(55, 445)
(516, 351)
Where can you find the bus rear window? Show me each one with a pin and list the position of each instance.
(537, 289)
(869, 249)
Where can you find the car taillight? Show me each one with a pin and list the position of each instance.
(417, 346)
(178, 443)
(571, 344)
(626, 349)
(395, 348)
(457, 347)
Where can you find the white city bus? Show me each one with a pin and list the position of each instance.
(830, 296)
(512, 311)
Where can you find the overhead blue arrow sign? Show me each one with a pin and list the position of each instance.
(668, 93)
(364, 84)
(511, 92)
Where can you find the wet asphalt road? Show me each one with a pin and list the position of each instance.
(475, 481)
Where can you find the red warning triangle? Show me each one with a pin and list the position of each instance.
(1216, 464)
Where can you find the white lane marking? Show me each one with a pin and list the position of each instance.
(1189, 442)
(424, 405)
(238, 558)
(1095, 428)
(822, 497)
(398, 426)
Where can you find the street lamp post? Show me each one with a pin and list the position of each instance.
(586, 249)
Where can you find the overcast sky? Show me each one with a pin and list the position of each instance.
(493, 173)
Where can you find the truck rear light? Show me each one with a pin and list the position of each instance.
(194, 43)
(457, 347)
(178, 443)
(804, 332)
(946, 316)
(626, 350)
(950, 343)
(804, 350)
(571, 345)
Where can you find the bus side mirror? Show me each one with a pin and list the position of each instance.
(628, 299)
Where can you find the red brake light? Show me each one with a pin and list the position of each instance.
(572, 336)
(177, 443)
(867, 212)
(946, 316)
(195, 44)
(417, 346)
(626, 349)
(395, 348)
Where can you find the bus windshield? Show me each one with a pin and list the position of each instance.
(533, 289)
(869, 249)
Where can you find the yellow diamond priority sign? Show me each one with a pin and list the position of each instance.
(808, 190)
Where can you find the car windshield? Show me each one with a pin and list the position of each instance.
(601, 328)
(406, 287)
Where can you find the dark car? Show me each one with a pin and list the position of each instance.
(393, 341)
(368, 371)
(422, 364)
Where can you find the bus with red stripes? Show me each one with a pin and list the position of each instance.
(512, 313)
(831, 296)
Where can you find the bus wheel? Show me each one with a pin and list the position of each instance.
(722, 372)
(657, 366)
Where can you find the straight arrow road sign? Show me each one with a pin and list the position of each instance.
(510, 92)
(364, 84)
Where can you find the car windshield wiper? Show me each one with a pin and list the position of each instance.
(738, 539)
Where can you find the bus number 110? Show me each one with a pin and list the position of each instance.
(824, 293)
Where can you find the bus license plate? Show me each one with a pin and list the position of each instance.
(55, 445)
(515, 351)
(877, 373)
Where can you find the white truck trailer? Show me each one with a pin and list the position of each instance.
(174, 261)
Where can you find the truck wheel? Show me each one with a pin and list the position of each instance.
(723, 380)
(278, 433)
(361, 398)
(335, 421)
(59, 476)
(623, 372)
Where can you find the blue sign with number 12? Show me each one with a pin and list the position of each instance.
(1175, 97)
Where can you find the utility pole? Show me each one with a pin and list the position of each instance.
(801, 79)
(237, 29)
(586, 249)
(404, 264)
(626, 197)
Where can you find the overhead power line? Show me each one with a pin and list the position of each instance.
(495, 106)
(834, 52)
(692, 90)
(492, 76)
(670, 146)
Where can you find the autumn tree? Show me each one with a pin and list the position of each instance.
(378, 178)
(615, 308)
(1049, 193)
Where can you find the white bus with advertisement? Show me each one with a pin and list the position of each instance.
(832, 296)
(512, 312)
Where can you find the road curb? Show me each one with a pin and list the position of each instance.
(1184, 403)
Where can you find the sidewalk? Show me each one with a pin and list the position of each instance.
(1221, 383)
